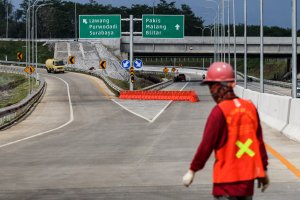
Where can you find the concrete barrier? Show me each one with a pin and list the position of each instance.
(251, 95)
(274, 110)
(292, 130)
(238, 90)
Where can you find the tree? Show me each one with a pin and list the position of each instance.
(191, 22)
(5, 8)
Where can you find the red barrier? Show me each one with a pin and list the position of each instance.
(160, 95)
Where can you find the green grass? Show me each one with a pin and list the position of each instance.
(6, 78)
(122, 84)
(274, 69)
(10, 49)
(142, 81)
(15, 94)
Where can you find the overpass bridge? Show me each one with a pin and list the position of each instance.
(273, 46)
(279, 46)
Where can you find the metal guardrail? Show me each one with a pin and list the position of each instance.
(159, 86)
(11, 114)
(116, 88)
(269, 82)
(276, 83)
(97, 74)
(20, 63)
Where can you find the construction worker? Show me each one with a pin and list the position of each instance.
(234, 133)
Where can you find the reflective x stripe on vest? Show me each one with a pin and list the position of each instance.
(239, 159)
(244, 148)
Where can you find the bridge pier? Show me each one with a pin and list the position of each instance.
(298, 63)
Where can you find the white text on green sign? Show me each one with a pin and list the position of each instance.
(163, 26)
(99, 26)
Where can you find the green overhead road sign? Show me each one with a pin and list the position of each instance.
(99, 26)
(163, 26)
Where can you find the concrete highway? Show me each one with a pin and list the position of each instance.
(196, 75)
(81, 142)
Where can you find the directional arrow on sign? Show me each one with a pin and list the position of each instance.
(102, 64)
(19, 56)
(71, 60)
(29, 69)
(125, 64)
(177, 27)
(138, 64)
(84, 21)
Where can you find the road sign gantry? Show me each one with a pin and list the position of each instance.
(163, 26)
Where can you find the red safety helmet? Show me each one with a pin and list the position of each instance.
(219, 72)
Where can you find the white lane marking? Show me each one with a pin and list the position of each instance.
(131, 111)
(143, 117)
(42, 133)
(161, 111)
(184, 86)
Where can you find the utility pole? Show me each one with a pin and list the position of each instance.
(234, 36)
(131, 48)
(228, 30)
(294, 52)
(245, 44)
(7, 20)
(75, 19)
(261, 48)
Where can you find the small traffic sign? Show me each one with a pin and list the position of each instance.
(19, 56)
(102, 64)
(298, 89)
(131, 70)
(29, 70)
(71, 60)
(165, 70)
(132, 79)
(173, 69)
(125, 64)
(138, 64)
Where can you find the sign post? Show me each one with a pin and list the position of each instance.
(99, 26)
(163, 26)
(298, 89)
(131, 48)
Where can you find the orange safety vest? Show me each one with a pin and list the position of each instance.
(239, 159)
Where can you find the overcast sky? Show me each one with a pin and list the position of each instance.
(276, 12)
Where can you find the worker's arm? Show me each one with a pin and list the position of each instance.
(215, 134)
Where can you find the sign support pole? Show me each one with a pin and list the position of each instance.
(131, 48)
(294, 47)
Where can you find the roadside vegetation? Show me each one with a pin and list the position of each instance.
(142, 80)
(9, 50)
(13, 88)
(274, 68)
(62, 11)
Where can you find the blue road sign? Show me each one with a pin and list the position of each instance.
(125, 64)
(138, 64)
